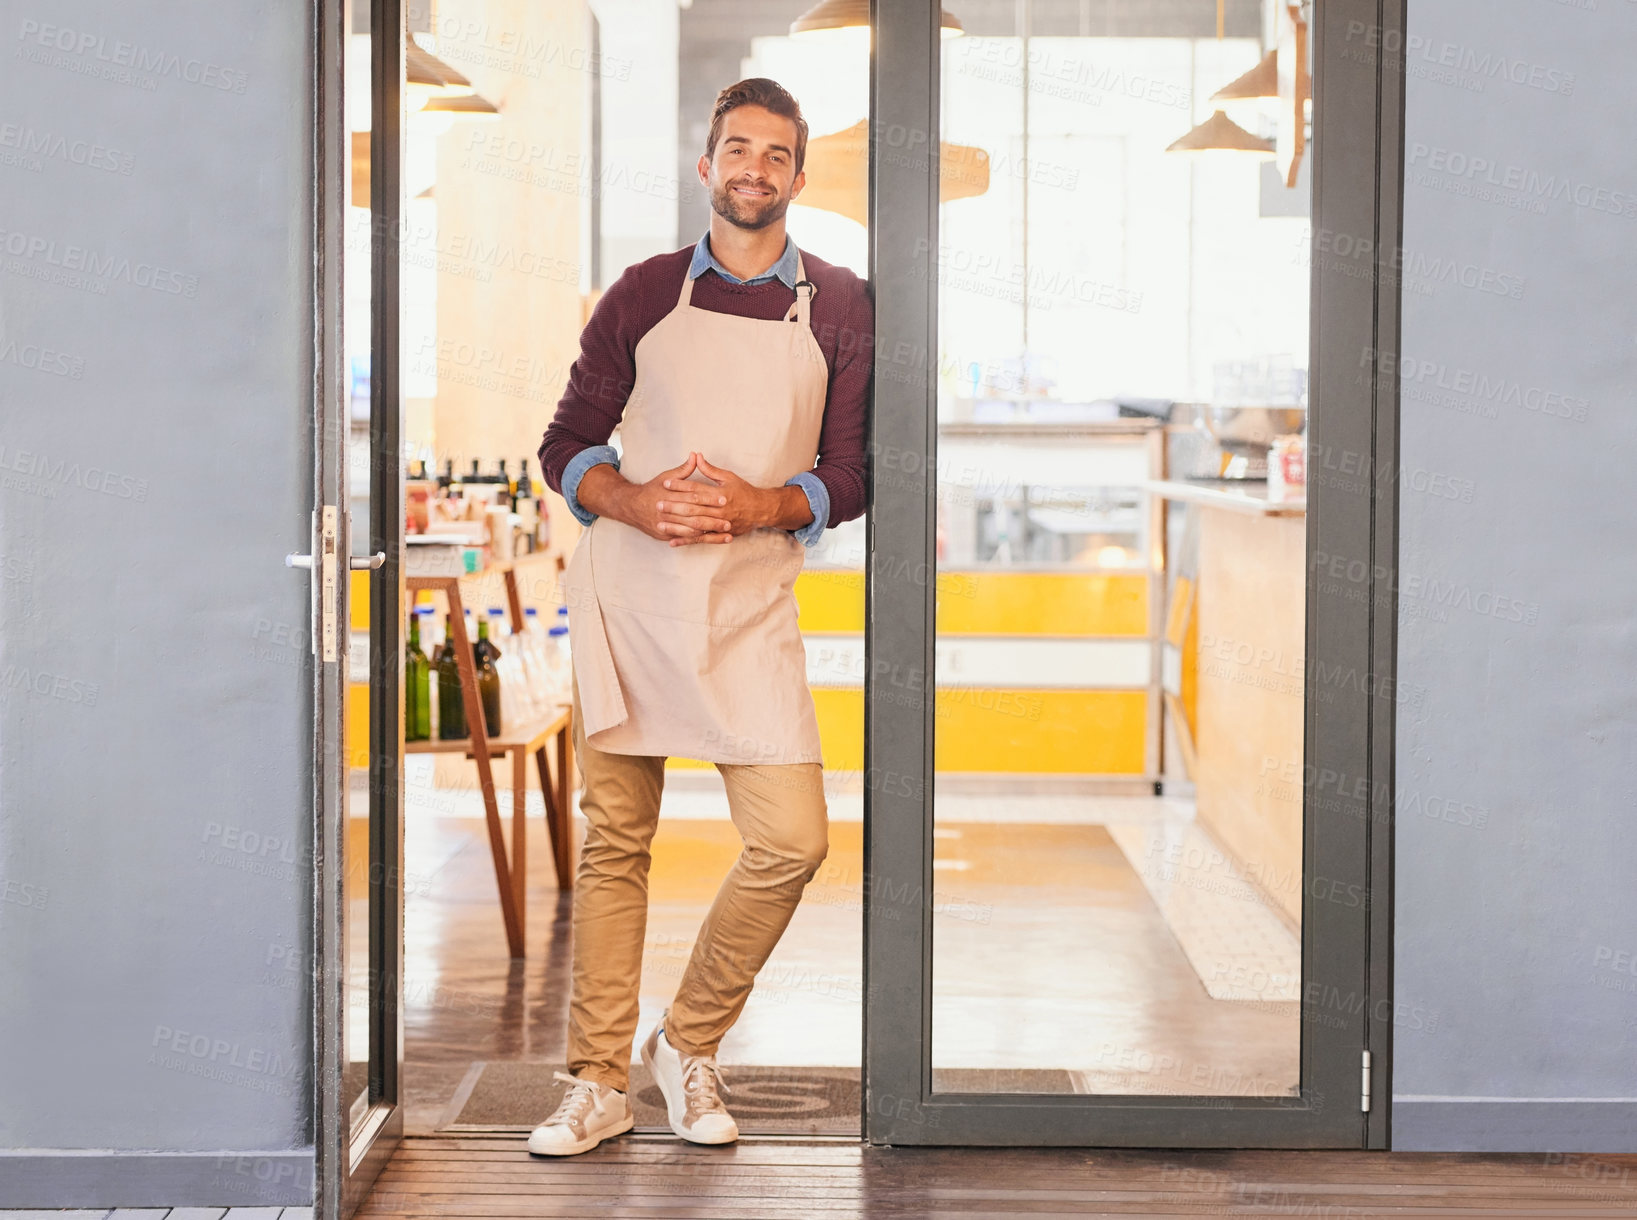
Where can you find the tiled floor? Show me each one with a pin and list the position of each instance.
(1050, 952)
(1239, 946)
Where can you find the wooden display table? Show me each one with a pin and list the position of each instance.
(520, 741)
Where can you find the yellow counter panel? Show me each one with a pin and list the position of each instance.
(994, 603)
(1017, 731)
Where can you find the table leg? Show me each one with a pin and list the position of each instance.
(465, 661)
(557, 822)
(565, 803)
(514, 601)
(520, 851)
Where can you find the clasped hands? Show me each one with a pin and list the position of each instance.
(677, 509)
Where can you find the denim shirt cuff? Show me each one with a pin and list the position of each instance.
(593, 455)
(818, 499)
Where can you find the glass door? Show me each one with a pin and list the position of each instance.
(1120, 710)
(359, 521)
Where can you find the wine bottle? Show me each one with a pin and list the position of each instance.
(488, 678)
(525, 506)
(417, 682)
(451, 706)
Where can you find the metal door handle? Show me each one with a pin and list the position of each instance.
(358, 563)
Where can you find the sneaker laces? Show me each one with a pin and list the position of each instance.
(577, 1103)
(701, 1077)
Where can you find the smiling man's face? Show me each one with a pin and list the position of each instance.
(751, 176)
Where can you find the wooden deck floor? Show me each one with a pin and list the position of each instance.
(771, 1180)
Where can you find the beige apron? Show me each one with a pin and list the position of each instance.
(694, 651)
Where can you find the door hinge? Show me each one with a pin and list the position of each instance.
(1364, 1100)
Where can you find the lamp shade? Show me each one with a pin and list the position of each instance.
(466, 106)
(838, 172)
(855, 14)
(1219, 133)
(1260, 81)
(427, 74)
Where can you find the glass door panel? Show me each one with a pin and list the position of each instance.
(1097, 930)
(367, 430)
(1132, 845)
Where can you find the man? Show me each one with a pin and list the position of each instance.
(738, 373)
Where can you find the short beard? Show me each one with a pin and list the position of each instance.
(724, 204)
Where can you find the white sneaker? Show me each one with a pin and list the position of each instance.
(689, 1084)
(588, 1114)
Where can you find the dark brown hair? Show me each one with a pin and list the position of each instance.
(768, 94)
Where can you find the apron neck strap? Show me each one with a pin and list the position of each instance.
(802, 309)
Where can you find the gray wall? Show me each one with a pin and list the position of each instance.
(155, 339)
(1517, 738)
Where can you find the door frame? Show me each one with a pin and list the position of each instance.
(347, 1162)
(1357, 175)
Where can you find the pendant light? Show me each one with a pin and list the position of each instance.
(829, 15)
(467, 106)
(439, 114)
(1262, 81)
(838, 169)
(1219, 133)
(428, 77)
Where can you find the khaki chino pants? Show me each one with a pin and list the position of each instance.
(781, 817)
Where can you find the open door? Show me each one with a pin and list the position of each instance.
(358, 600)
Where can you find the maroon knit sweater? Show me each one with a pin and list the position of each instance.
(601, 378)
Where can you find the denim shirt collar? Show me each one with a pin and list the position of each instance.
(784, 269)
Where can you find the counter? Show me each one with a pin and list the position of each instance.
(1239, 496)
(1244, 578)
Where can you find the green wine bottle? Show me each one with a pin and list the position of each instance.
(488, 677)
(417, 682)
(451, 706)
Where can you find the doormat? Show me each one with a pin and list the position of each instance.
(763, 1100)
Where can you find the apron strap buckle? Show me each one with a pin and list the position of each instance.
(802, 308)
